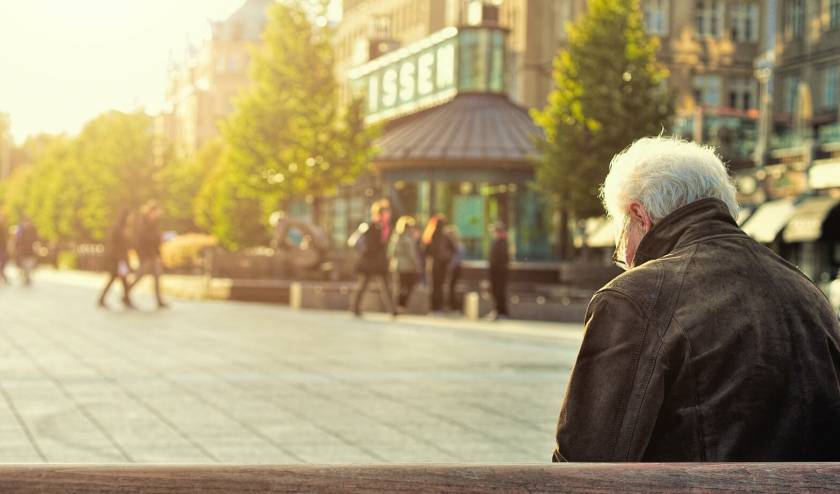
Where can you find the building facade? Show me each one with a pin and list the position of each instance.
(427, 165)
(795, 189)
(203, 85)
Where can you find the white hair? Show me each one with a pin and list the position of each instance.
(664, 174)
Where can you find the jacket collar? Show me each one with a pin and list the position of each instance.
(689, 224)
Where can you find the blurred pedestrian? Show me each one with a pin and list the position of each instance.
(371, 241)
(455, 266)
(26, 240)
(4, 248)
(499, 260)
(147, 244)
(438, 246)
(405, 258)
(116, 259)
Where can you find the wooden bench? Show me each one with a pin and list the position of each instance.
(606, 478)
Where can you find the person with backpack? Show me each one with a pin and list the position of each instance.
(439, 248)
(371, 241)
(405, 258)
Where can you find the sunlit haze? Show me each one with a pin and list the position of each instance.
(62, 62)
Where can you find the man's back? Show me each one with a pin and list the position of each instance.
(714, 349)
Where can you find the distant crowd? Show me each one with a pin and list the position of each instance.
(432, 256)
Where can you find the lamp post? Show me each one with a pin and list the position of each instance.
(764, 74)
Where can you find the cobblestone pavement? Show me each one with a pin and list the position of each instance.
(228, 382)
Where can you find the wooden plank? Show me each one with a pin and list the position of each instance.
(600, 478)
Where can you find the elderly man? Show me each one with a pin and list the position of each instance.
(710, 347)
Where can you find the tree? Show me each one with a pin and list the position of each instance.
(116, 168)
(181, 181)
(73, 188)
(609, 91)
(228, 209)
(289, 137)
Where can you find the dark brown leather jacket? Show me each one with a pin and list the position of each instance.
(712, 349)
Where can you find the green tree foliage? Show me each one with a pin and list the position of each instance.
(609, 91)
(289, 136)
(230, 210)
(73, 188)
(181, 180)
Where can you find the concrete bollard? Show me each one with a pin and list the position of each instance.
(296, 295)
(472, 306)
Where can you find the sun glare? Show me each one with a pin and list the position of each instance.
(63, 62)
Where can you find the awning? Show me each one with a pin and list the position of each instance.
(602, 236)
(806, 223)
(471, 130)
(769, 219)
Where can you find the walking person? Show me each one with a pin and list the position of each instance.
(4, 249)
(455, 266)
(26, 239)
(116, 260)
(147, 245)
(371, 240)
(499, 260)
(438, 246)
(405, 259)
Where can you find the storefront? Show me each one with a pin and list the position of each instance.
(453, 143)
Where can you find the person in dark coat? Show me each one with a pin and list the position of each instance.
(371, 241)
(710, 347)
(26, 240)
(458, 253)
(439, 248)
(147, 245)
(116, 260)
(499, 261)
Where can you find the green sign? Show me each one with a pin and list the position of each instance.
(431, 71)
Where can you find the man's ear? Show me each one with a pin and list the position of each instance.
(641, 216)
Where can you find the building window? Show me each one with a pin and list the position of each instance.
(796, 17)
(707, 90)
(709, 15)
(744, 22)
(656, 16)
(830, 82)
(834, 14)
(790, 93)
(742, 93)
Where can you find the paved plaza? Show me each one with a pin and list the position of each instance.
(227, 382)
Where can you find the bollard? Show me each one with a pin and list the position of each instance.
(472, 306)
(296, 295)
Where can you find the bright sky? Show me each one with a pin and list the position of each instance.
(62, 62)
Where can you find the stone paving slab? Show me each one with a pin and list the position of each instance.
(228, 382)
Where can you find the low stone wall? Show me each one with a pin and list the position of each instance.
(558, 305)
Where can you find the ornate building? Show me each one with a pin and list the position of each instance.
(203, 85)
